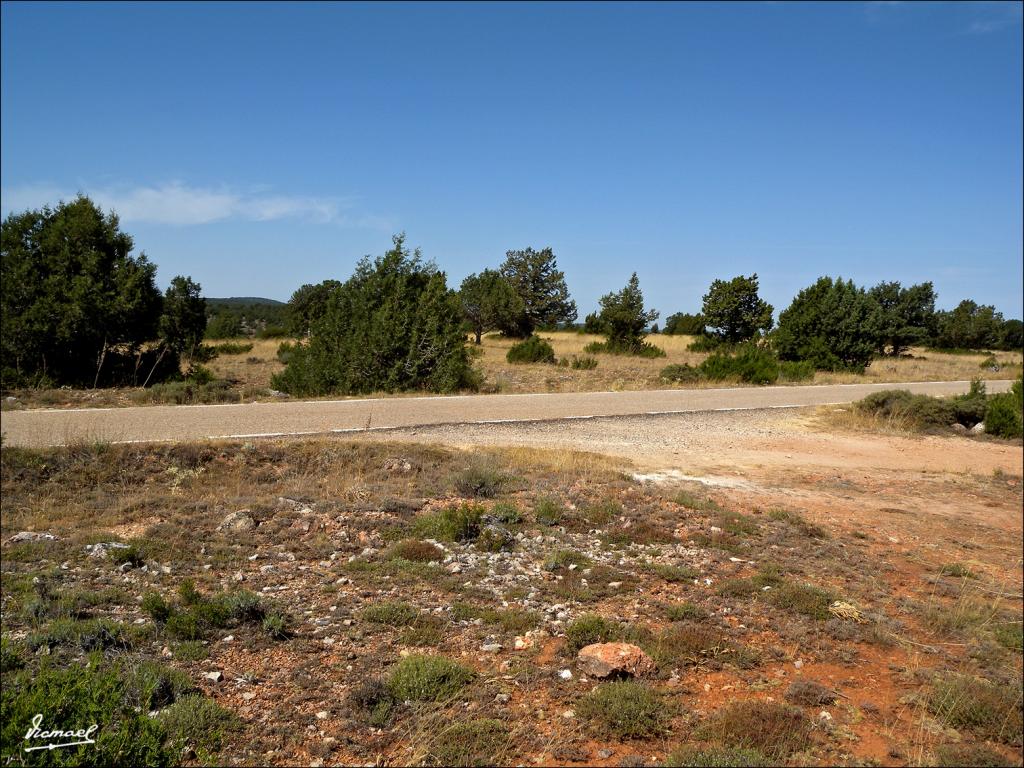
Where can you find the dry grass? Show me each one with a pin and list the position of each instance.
(250, 372)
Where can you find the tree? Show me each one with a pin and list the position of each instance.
(969, 326)
(541, 286)
(592, 324)
(488, 302)
(392, 326)
(733, 312)
(833, 324)
(306, 305)
(224, 325)
(684, 324)
(1012, 335)
(908, 315)
(624, 318)
(74, 301)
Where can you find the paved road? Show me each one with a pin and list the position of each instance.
(190, 422)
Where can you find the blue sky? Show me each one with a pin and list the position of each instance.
(257, 147)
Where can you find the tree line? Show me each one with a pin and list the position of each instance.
(78, 308)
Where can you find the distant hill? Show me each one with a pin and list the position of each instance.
(234, 301)
(244, 316)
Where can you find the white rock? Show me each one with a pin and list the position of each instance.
(214, 677)
(565, 674)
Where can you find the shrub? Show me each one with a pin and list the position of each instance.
(991, 711)
(1010, 635)
(1003, 415)
(478, 742)
(971, 756)
(589, 629)
(563, 558)
(809, 693)
(802, 598)
(275, 625)
(456, 523)
(691, 757)
(675, 573)
(684, 324)
(393, 326)
(415, 551)
(158, 609)
(232, 348)
(548, 512)
(646, 350)
(790, 370)
(427, 678)
(197, 722)
(481, 480)
(625, 710)
(750, 364)
(681, 372)
(131, 555)
(390, 613)
(506, 512)
(578, 363)
(95, 694)
(685, 612)
(900, 406)
(533, 350)
(780, 730)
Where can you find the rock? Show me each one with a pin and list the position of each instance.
(491, 647)
(166, 652)
(522, 643)
(958, 427)
(606, 659)
(239, 576)
(248, 696)
(502, 698)
(31, 536)
(214, 677)
(978, 429)
(237, 521)
(103, 548)
(322, 715)
(604, 754)
(565, 674)
(397, 464)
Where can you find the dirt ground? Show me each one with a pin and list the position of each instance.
(720, 543)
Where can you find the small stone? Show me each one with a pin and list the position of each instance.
(569, 714)
(522, 643)
(565, 674)
(978, 429)
(502, 698)
(31, 536)
(228, 639)
(322, 715)
(214, 677)
(166, 652)
(614, 584)
(248, 696)
(799, 663)
(491, 647)
(239, 576)
(604, 754)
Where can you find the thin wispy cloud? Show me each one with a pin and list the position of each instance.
(180, 204)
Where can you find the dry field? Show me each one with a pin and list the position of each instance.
(249, 372)
(334, 602)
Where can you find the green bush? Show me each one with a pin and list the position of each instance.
(197, 722)
(706, 343)
(393, 326)
(390, 613)
(646, 350)
(456, 523)
(625, 710)
(1003, 414)
(477, 742)
(790, 370)
(920, 411)
(774, 730)
(415, 551)
(549, 511)
(427, 678)
(681, 372)
(578, 363)
(482, 480)
(589, 629)
(232, 348)
(802, 598)
(751, 364)
(992, 711)
(533, 350)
